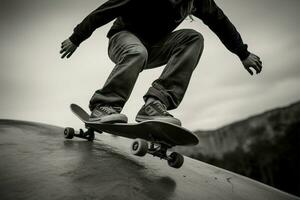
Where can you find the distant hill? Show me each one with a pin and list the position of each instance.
(264, 147)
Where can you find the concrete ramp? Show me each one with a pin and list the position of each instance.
(38, 163)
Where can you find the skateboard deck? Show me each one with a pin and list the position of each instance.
(152, 131)
(152, 137)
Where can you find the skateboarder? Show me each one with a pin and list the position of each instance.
(143, 37)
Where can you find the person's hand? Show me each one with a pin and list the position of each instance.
(67, 48)
(254, 62)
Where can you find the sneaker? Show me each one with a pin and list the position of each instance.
(156, 111)
(107, 114)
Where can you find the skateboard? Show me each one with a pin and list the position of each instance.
(152, 137)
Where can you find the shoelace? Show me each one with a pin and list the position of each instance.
(107, 109)
(162, 108)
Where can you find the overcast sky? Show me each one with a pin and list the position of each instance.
(36, 85)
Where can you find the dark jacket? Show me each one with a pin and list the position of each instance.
(150, 20)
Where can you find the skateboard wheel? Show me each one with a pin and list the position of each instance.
(139, 147)
(69, 133)
(175, 160)
(90, 135)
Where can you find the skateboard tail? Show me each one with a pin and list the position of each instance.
(80, 113)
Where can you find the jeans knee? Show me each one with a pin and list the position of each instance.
(195, 40)
(139, 52)
(135, 56)
(195, 36)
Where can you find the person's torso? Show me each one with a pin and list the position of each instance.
(149, 19)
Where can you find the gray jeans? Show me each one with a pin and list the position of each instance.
(180, 51)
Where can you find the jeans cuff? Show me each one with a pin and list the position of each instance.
(153, 92)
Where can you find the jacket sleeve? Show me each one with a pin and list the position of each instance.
(99, 17)
(217, 21)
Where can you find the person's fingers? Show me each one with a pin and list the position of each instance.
(67, 43)
(65, 52)
(260, 62)
(64, 48)
(256, 68)
(70, 47)
(249, 70)
(258, 58)
(64, 42)
(259, 65)
(254, 56)
(67, 47)
(253, 64)
(64, 55)
(70, 53)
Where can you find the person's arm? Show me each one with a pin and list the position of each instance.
(99, 17)
(102, 15)
(218, 22)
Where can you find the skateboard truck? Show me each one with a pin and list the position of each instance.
(140, 147)
(89, 135)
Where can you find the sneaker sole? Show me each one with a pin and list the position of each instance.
(114, 118)
(163, 119)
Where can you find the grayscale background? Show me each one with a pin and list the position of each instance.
(36, 85)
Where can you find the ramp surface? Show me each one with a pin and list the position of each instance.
(38, 163)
